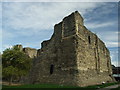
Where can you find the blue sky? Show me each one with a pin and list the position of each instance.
(30, 23)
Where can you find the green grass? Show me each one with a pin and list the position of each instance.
(56, 86)
(39, 86)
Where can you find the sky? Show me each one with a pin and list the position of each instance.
(30, 23)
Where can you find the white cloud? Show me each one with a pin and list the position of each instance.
(32, 45)
(114, 57)
(113, 44)
(6, 34)
(95, 25)
(0, 40)
(6, 46)
(117, 32)
(30, 18)
(109, 37)
(0, 25)
(40, 16)
(0, 35)
(60, 0)
(116, 63)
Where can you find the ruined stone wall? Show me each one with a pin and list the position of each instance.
(31, 52)
(93, 58)
(73, 56)
(56, 62)
(19, 46)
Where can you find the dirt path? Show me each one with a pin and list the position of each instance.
(110, 87)
(13, 84)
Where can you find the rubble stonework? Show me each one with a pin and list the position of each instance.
(31, 52)
(73, 56)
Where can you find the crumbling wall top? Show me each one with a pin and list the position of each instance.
(31, 52)
(19, 46)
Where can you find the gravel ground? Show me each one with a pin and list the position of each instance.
(109, 87)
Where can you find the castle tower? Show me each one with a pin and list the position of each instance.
(73, 56)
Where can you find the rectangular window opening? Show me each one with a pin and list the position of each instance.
(51, 69)
(89, 40)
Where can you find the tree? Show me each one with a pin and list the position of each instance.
(15, 63)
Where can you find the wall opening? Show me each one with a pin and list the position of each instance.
(51, 69)
(89, 40)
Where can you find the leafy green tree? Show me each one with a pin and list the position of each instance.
(15, 63)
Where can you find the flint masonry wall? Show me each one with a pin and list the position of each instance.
(31, 52)
(73, 56)
(93, 58)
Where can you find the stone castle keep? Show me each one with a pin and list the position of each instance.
(73, 56)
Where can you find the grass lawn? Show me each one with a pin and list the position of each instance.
(56, 86)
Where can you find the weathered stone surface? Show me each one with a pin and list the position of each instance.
(73, 56)
(19, 46)
(31, 52)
